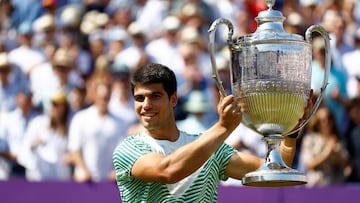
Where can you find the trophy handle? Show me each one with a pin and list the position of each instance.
(212, 30)
(308, 37)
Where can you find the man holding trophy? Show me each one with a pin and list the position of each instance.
(164, 164)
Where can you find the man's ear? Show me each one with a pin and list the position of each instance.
(174, 99)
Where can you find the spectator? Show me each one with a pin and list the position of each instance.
(12, 132)
(117, 41)
(191, 77)
(165, 49)
(11, 82)
(134, 56)
(45, 31)
(197, 107)
(4, 166)
(52, 75)
(323, 155)
(121, 101)
(44, 153)
(70, 42)
(151, 15)
(26, 56)
(7, 25)
(351, 65)
(77, 99)
(353, 139)
(334, 23)
(94, 133)
(336, 83)
(97, 46)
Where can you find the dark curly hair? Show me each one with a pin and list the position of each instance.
(155, 73)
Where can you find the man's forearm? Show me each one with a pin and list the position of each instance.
(201, 149)
(287, 150)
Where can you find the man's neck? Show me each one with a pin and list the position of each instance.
(170, 133)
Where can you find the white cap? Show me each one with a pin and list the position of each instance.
(44, 23)
(171, 23)
(197, 102)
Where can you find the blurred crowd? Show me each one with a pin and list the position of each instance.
(65, 99)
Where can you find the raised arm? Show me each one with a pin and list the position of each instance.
(188, 158)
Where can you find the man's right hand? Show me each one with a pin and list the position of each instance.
(230, 111)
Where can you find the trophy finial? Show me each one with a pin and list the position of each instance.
(270, 3)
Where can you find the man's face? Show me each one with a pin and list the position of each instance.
(153, 107)
(102, 98)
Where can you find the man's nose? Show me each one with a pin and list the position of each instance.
(147, 103)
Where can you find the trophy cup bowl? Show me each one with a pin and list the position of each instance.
(271, 71)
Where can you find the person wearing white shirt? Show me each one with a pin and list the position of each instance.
(165, 49)
(12, 133)
(57, 73)
(121, 101)
(11, 81)
(93, 136)
(25, 55)
(44, 152)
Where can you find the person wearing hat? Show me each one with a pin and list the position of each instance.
(197, 107)
(25, 55)
(45, 31)
(165, 49)
(44, 152)
(63, 63)
(134, 55)
(336, 82)
(56, 73)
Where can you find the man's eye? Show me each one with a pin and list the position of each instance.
(139, 99)
(156, 96)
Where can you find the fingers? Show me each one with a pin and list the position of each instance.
(232, 105)
(225, 101)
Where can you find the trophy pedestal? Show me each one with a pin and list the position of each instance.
(274, 172)
(274, 178)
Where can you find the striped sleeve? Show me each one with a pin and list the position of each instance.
(125, 155)
(223, 155)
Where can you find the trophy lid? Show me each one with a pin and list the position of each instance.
(270, 26)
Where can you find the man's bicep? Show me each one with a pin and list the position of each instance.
(241, 163)
(149, 167)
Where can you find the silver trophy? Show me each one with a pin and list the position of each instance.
(271, 70)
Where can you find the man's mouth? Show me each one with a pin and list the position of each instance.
(148, 115)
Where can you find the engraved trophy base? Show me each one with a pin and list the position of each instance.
(274, 172)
